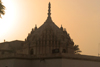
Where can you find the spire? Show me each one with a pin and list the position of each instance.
(32, 31)
(35, 26)
(61, 25)
(4, 40)
(49, 10)
(61, 28)
(49, 13)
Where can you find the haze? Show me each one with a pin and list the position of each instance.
(81, 18)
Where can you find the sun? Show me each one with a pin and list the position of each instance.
(7, 21)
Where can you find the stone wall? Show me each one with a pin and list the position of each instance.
(7, 63)
(47, 63)
(22, 63)
(15, 63)
(57, 60)
(79, 63)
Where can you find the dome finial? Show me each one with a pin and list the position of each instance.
(49, 13)
(49, 9)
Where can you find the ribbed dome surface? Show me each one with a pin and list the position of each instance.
(49, 37)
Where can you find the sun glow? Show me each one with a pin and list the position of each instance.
(7, 21)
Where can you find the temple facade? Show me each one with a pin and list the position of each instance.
(46, 46)
(48, 39)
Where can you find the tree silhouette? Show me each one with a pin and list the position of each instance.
(76, 49)
(2, 9)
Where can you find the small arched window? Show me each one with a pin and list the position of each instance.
(31, 52)
(64, 51)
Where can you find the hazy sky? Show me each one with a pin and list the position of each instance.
(81, 18)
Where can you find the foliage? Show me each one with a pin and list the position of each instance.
(76, 49)
(2, 8)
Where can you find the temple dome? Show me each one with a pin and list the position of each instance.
(48, 25)
(48, 37)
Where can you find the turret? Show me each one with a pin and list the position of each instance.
(35, 27)
(61, 28)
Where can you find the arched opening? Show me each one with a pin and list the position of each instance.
(55, 51)
(31, 52)
(64, 51)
